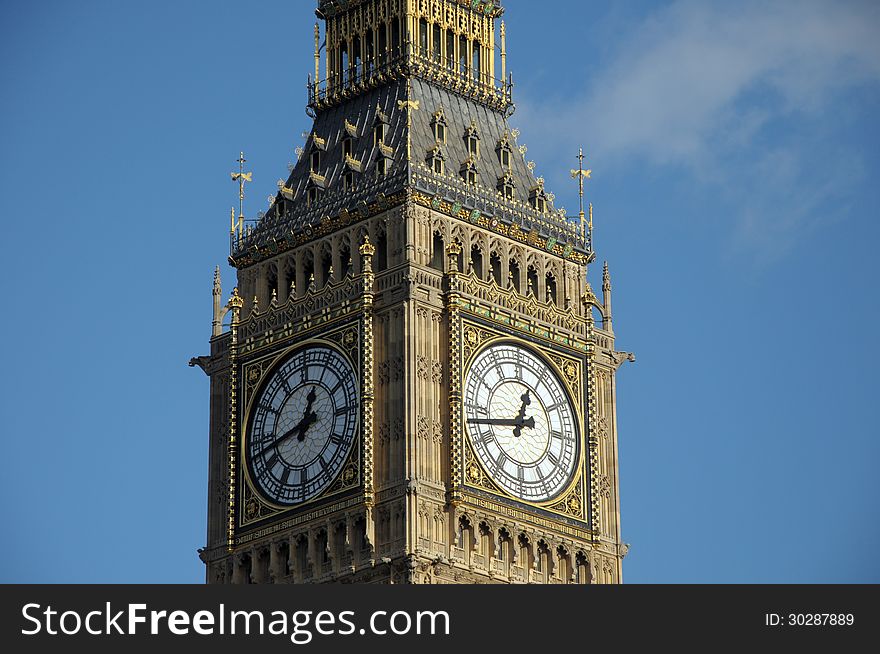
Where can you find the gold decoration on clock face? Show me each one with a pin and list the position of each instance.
(521, 422)
(303, 426)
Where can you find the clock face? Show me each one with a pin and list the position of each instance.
(303, 426)
(521, 422)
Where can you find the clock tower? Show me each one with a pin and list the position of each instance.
(413, 380)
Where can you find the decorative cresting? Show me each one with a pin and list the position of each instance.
(367, 251)
(453, 298)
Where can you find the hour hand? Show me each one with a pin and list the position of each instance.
(304, 425)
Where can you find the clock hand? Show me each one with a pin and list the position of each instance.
(517, 423)
(504, 422)
(304, 425)
(526, 400)
(309, 416)
(308, 419)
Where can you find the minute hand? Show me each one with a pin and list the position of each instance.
(502, 422)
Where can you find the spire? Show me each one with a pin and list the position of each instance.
(580, 175)
(219, 312)
(606, 299)
(503, 51)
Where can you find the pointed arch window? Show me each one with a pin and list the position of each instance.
(435, 160)
(472, 138)
(504, 150)
(507, 186)
(439, 124)
(381, 166)
(538, 198)
(313, 194)
(469, 171)
(423, 37)
(378, 133)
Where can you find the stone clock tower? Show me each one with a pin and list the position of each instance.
(413, 381)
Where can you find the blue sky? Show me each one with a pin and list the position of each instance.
(735, 156)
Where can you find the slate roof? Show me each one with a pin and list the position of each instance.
(292, 214)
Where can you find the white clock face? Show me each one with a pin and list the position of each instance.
(303, 426)
(521, 422)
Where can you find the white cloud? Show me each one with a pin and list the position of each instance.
(753, 87)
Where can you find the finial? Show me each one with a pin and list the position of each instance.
(217, 286)
(256, 307)
(235, 301)
(241, 177)
(580, 175)
(232, 223)
(312, 287)
(606, 278)
(274, 301)
(292, 293)
(367, 249)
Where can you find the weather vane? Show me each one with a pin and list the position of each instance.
(580, 175)
(241, 177)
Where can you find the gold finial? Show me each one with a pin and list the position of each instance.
(232, 223)
(274, 301)
(580, 175)
(367, 249)
(241, 177)
(235, 301)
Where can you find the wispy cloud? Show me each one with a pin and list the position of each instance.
(751, 91)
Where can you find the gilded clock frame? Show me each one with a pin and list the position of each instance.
(252, 508)
(573, 369)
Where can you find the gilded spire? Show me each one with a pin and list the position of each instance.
(241, 177)
(580, 175)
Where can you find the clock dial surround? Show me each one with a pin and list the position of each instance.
(521, 422)
(303, 425)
